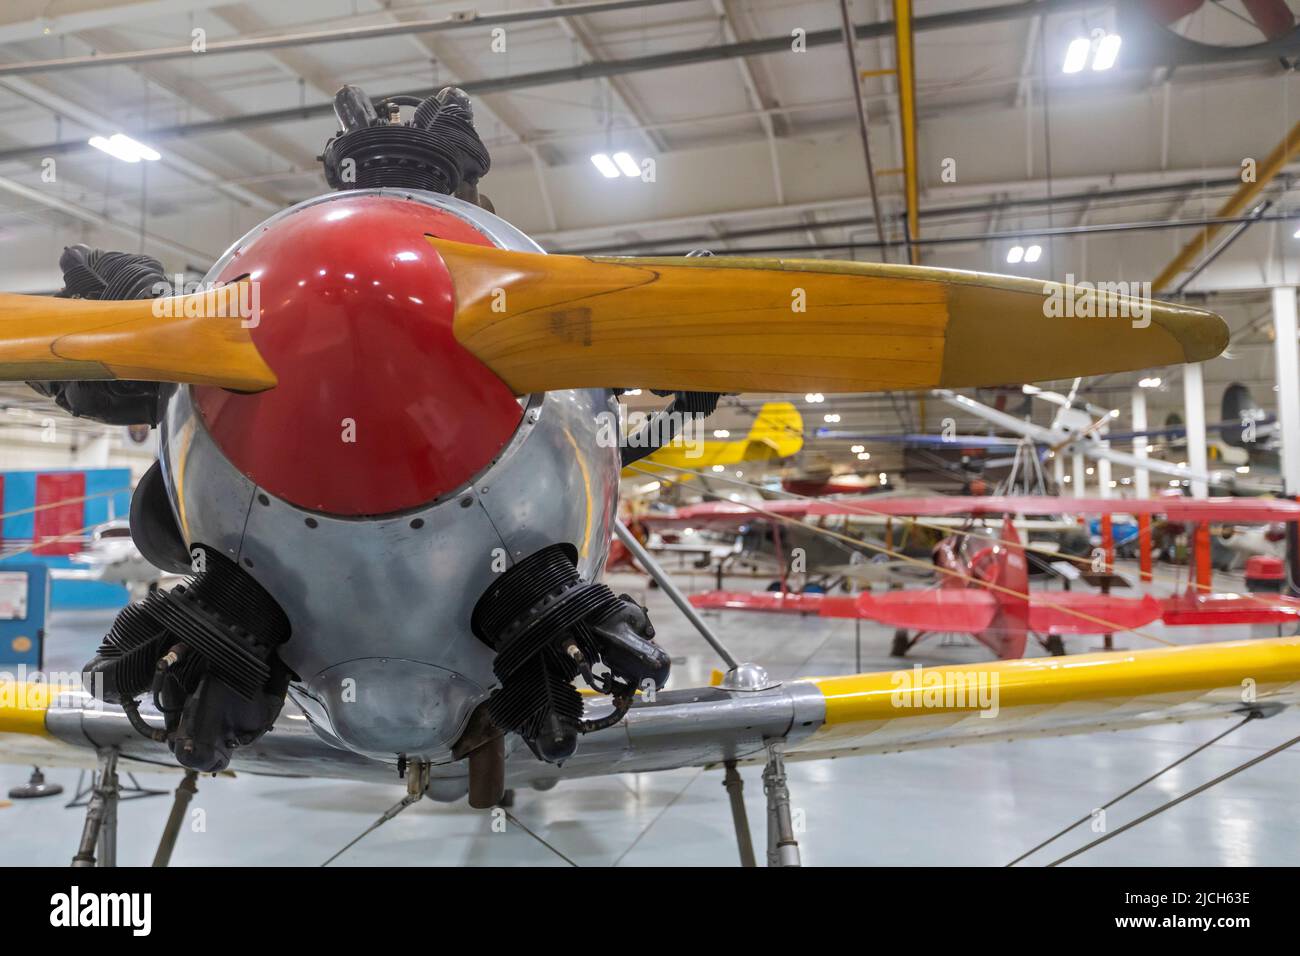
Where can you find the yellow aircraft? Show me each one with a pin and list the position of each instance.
(777, 432)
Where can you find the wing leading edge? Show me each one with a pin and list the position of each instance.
(817, 717)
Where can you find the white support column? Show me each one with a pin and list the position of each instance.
(1141, 477)
(1058, 472)
(1288, 385)
(1103, 477)
(1080, 482)
(93, 453)
(1194, 416)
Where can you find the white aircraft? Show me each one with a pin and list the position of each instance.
(1079, 439)
(112, 556)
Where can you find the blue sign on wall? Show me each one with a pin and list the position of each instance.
(107, 496)
(24, 606)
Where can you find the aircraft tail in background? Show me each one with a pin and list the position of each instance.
(777, 432)
(1008, 632)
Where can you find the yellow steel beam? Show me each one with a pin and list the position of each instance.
(905, 57)
(1245, 195)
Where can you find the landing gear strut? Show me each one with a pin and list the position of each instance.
(185, 791)
(100, 831)
(782, 847)
(735, 786)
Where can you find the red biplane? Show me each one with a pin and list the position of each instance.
(983, 587)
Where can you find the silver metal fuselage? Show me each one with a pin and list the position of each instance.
(384, 657)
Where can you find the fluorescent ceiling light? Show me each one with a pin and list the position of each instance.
(1107, 51)
(1076, 55)
(858, 449)
(123, 147)
(1032, 253)
(1015, 254)
(1149, 382)
(606, 165)
(864, 456)
(831, 419)
(626, 164)
(717, 467)
(721, 433)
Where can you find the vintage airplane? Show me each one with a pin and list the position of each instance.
(379, 459)
(776, 433)
(983, 586)
(845, 539)
(1088, 442)
(112, 557)
(983, 591)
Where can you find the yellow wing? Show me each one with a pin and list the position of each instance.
(777, 432)
(817, 717)
(1001, 700)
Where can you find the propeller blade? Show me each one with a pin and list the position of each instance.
(1273, 17)
(198, 339)
(724, 324)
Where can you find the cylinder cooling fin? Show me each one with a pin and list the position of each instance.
(436, 150)
(205, 653)
(103, 275)
(548, 627)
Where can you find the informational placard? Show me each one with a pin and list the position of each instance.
(13, 595)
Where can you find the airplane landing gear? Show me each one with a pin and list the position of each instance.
(1054, 645)
(100, 832)
(185, 791)
(782, 847)
(735, 787)
(901, 645)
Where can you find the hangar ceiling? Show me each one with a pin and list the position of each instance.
(756, 153)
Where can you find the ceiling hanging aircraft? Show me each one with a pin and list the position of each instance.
(1084, 441)
(380, 462)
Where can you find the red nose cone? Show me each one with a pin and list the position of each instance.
(378, 408)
